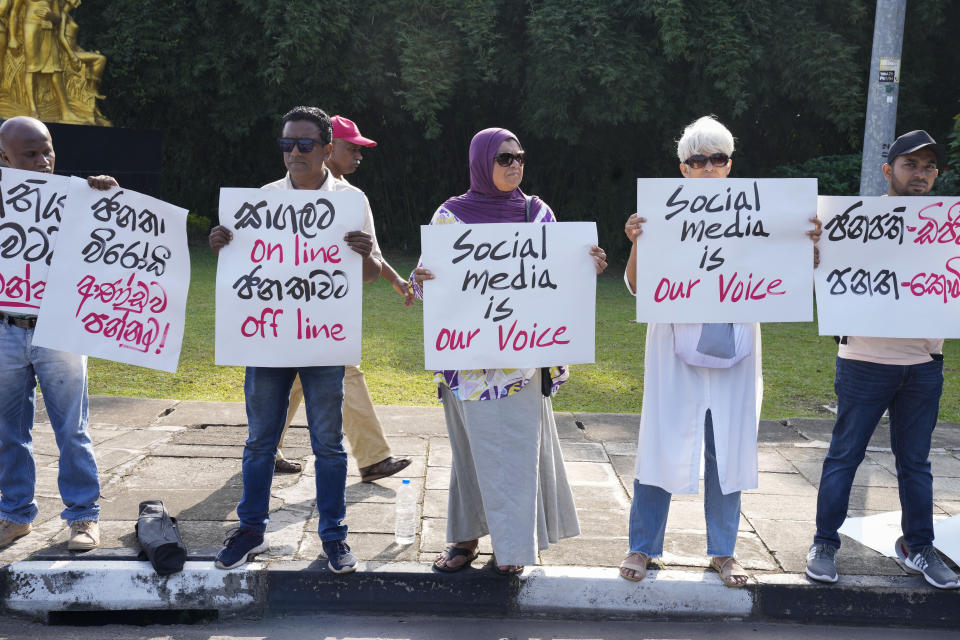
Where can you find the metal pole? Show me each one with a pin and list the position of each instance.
(880, 127)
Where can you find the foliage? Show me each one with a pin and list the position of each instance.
(197, 229)
(837, 175)
(597, 90)
(949, 181)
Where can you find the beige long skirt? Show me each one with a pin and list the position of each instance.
(507, 477)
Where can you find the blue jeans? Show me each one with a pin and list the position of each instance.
(864, 391)
(63, 381)
(651, 505)
(267, 391)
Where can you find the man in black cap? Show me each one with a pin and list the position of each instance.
(904, 376)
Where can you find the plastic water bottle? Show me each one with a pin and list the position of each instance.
(405, 530)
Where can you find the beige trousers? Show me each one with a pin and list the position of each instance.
(360, 422)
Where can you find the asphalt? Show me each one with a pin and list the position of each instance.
(188, 455)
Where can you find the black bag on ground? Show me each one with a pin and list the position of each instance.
(160, 538)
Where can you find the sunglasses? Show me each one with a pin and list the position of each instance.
(699, 161)
(506, 159)
(304, 144)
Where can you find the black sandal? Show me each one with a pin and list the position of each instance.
(452, 552)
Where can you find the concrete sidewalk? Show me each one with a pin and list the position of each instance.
(188, 455)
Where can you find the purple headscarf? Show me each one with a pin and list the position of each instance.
(484, 202)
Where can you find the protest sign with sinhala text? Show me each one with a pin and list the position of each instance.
(31, 204)
(117, 287)
(289, 288)
(889, 266)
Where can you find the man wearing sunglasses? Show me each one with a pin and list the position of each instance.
(306, 145)
(25, 144)
(360, 423)
(903, 376)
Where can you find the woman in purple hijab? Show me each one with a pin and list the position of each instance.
(507, 477)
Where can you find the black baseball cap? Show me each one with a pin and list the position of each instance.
(910, 142)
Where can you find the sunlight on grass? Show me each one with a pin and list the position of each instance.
(798, 364)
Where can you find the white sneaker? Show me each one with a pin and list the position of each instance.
(927, 561)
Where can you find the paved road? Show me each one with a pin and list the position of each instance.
(432, 628)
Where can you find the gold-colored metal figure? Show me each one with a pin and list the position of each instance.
(43, 71)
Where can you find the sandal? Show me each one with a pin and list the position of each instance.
(451, 552)
(639, 567)
(508, 570)
(282, 465)
(731, 573)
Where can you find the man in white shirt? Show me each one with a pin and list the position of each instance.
(306, 144)
(360, 422)
(904, 376)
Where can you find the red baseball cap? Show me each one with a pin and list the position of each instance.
(348, 130)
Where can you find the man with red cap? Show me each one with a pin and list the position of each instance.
(360, 422)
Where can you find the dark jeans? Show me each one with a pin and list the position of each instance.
(267, 391)
(864, 391)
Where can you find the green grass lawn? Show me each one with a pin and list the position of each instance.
(798, 364)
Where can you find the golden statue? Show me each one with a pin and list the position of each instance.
(43, 71)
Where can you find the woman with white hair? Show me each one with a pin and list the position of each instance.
(703, 387)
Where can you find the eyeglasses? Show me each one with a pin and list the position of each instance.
(699, 161)
(506, 159)
(304, 144)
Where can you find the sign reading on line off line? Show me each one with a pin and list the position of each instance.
(889, 267)
(508, 295)
(725, 250)
(289, 288)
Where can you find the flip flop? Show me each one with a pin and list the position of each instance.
(507, 572)
(516, 570)
(452, 552)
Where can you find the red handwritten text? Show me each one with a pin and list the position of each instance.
(454, 339)
(738, 290)
(529, 339)
(253, 326)
(674, 290)
(16, 291)
(938, 284)
(308, 331)
(133, 295)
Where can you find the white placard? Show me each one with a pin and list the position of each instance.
(30, 208)
(117, 288)
(508, 295)
(289, 288)
(889, 267)
(725, 250)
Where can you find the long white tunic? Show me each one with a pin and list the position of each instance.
(676, 397)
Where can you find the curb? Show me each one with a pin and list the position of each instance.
(38, 588)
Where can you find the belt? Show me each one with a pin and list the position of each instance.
(24, 322)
